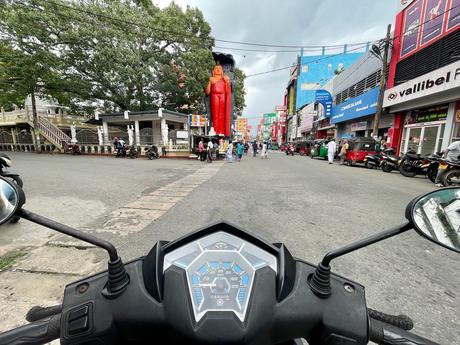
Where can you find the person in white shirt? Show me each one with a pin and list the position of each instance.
(331, 148)
(452, 153)
(210, 147)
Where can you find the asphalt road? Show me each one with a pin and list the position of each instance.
(307, 204)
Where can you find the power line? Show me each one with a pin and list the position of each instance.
(305, 63)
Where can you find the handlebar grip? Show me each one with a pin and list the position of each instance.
(35, 333)
(37, 313)
(384, 334)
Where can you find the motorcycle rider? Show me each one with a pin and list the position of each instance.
(452, 153)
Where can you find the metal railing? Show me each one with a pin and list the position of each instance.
(52, 132)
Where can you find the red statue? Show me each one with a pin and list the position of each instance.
(220, 93)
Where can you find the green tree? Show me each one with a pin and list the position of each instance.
(240, 92)
(122, 54)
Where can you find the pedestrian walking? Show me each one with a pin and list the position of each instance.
(216, 150)
(201, 150)
(209, 153)
(239, 151)
(246, 148)
(343, 151)
(264, 153)
(331, 148)
(254, 149)
(230, 152)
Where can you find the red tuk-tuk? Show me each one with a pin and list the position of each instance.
(358, 149)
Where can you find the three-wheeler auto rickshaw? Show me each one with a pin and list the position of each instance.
(319, 149)
(358, 148)
(303, 148)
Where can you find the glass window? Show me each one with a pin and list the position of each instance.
(456, 133)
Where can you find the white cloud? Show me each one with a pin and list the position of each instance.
(287, 22)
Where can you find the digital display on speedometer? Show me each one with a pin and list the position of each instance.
(220, 272)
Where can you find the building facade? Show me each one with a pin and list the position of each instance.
(423, 90)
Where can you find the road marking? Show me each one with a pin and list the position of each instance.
(138, 214)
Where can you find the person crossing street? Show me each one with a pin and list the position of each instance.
(331, 148)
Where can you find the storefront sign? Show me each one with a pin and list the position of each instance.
(241, 124)
(325, 98)
(430, 115)
(356, 107)
(280, 108)
(442, 79)
(359, 126)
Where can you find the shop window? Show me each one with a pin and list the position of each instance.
(456, 133)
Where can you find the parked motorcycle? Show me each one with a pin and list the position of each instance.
(133, 152)
(152, 152)
(389, 163)
(450, 172)
(372, 161)
(223, 285)
(72, 148)
(412, 164)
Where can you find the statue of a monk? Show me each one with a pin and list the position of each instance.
(219, 90)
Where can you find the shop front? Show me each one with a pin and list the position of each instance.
(425, 110)
(355, 117)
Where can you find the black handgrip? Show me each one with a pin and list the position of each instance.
(400, 321)
(37, 313)
(384, 334)
(35, 333)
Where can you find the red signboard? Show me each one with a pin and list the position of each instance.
(453, 16)
(425, 21)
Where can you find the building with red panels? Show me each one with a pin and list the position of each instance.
(423, 89)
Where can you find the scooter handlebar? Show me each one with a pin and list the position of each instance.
(384, 334)
(35, 333)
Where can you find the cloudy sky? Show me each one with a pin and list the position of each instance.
(287, 22)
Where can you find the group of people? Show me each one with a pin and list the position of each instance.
(120, 146)
(208, 152)
(235, 150)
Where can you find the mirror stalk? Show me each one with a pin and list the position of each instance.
(118, 279)
(320, 282)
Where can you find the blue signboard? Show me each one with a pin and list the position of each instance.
(316, 71)
(325, 98)
(360, 106)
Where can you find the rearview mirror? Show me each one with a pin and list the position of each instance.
(436, 216)
(11, 200)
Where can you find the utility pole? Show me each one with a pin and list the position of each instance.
(35, 133)
(379, 109)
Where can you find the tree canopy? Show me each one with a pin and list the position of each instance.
(121, 54)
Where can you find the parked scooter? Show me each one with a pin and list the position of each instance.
(390, 162)
(413, 164)
(133, 152)
(152, 152)
(5, 163)
(223, 285)
(450, 173)
(72, 148)
(372, 161)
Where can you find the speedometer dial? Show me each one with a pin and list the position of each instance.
(220, 271)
